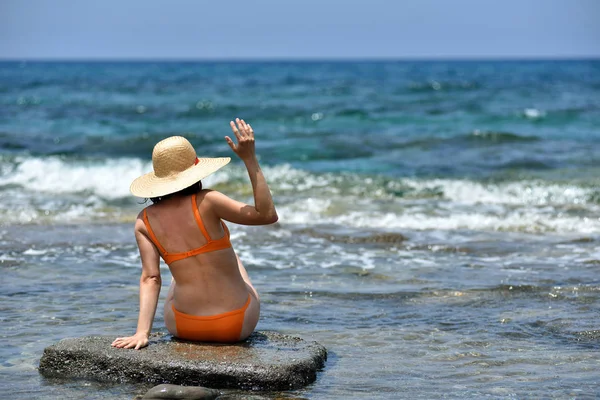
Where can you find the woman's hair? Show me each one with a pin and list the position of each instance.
(195, 188)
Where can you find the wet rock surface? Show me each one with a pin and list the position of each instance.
(364, 238)
(265, 361)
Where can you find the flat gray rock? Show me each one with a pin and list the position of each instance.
(265, 361)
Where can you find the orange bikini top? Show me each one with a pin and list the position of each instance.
(211, 245)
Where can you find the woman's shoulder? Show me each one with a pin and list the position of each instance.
(140, 222)
(212, 200)
(209, 194)
(142, 218)
(143, 213)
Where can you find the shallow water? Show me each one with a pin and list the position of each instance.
(468, 316)
(439, 223)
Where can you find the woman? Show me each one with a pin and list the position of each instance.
(211, 296)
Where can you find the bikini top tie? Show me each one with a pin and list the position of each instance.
(210, 245)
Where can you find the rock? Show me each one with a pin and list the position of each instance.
(245, 396)
(176, 392)
(363, 238)
(265, 361)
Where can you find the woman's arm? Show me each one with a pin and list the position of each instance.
(263, 211)
(150, 283)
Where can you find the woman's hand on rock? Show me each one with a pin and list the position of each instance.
(136, 341)
(245, 139)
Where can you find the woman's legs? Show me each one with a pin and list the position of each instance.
(168, 310)
(253, 311)
(246, 278)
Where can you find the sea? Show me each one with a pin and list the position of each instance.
(439, 221)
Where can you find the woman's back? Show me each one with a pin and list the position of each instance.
(209, 282)
(211, 297)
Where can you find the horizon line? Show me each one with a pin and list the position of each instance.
(301, 59)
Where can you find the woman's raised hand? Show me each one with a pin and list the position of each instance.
(245, 139)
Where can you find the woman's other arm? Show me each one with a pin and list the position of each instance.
(263, 211)
(150, 283)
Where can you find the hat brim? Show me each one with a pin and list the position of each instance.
(149, 185)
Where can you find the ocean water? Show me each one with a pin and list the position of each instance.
(439, 222)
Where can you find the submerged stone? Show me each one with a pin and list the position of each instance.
(362, 238)
(265, 361)
(176, 392)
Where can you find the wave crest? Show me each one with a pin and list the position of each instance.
(39, 189)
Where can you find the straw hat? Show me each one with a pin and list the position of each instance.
(176, 167)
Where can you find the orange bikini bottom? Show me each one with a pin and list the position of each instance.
(224, 328)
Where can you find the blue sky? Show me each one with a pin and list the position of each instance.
(282, 29)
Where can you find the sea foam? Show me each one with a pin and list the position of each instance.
(55, 189)
(108, 179)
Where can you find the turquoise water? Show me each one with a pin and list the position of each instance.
(439, 221)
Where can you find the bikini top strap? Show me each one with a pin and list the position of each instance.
(199, 219)
(151, 233)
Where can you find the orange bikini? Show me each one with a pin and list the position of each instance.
(224, 327)
(211, 245)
